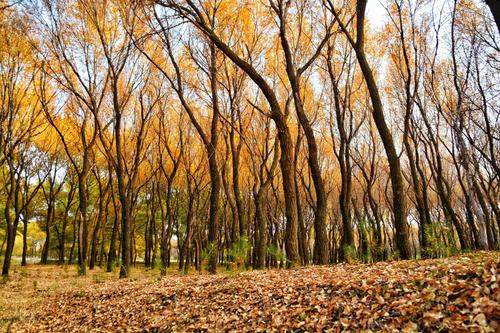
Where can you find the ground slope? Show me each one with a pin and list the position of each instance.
(458, 294)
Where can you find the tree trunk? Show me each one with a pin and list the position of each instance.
(320, 253)
(495, 11)
(291, 242)
(83, 224)
(25, 239)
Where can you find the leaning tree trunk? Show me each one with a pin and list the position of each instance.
(213, 165)
(285, 140)
(398, 194)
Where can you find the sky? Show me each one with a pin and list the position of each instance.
(376, 12)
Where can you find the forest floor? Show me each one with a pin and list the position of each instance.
(458, 294)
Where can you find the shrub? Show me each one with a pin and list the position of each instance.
(237, 254)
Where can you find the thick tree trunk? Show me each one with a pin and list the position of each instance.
(423, 206)
(11, 236)
(235, 154)
(320, 253)
(303, 248)
(122, 195)
(213, 165)
(398, 194)
(344, 157)
(286, 163)
(112, 241)
(495, 11)
(12, 195)
(214, 210)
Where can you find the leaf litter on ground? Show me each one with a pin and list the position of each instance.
(457, 294)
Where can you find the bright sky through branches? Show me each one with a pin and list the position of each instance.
(376, 13)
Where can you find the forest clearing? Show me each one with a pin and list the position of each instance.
(457, 294)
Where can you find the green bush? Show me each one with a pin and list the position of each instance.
(237, 254)
(349, 252)
(277, 254)
(210, 251)
(437, 247)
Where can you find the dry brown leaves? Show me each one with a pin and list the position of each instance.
(459, 294)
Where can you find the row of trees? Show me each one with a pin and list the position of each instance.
(258, 133)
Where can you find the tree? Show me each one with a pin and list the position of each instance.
(193, 14)
(399, 202)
